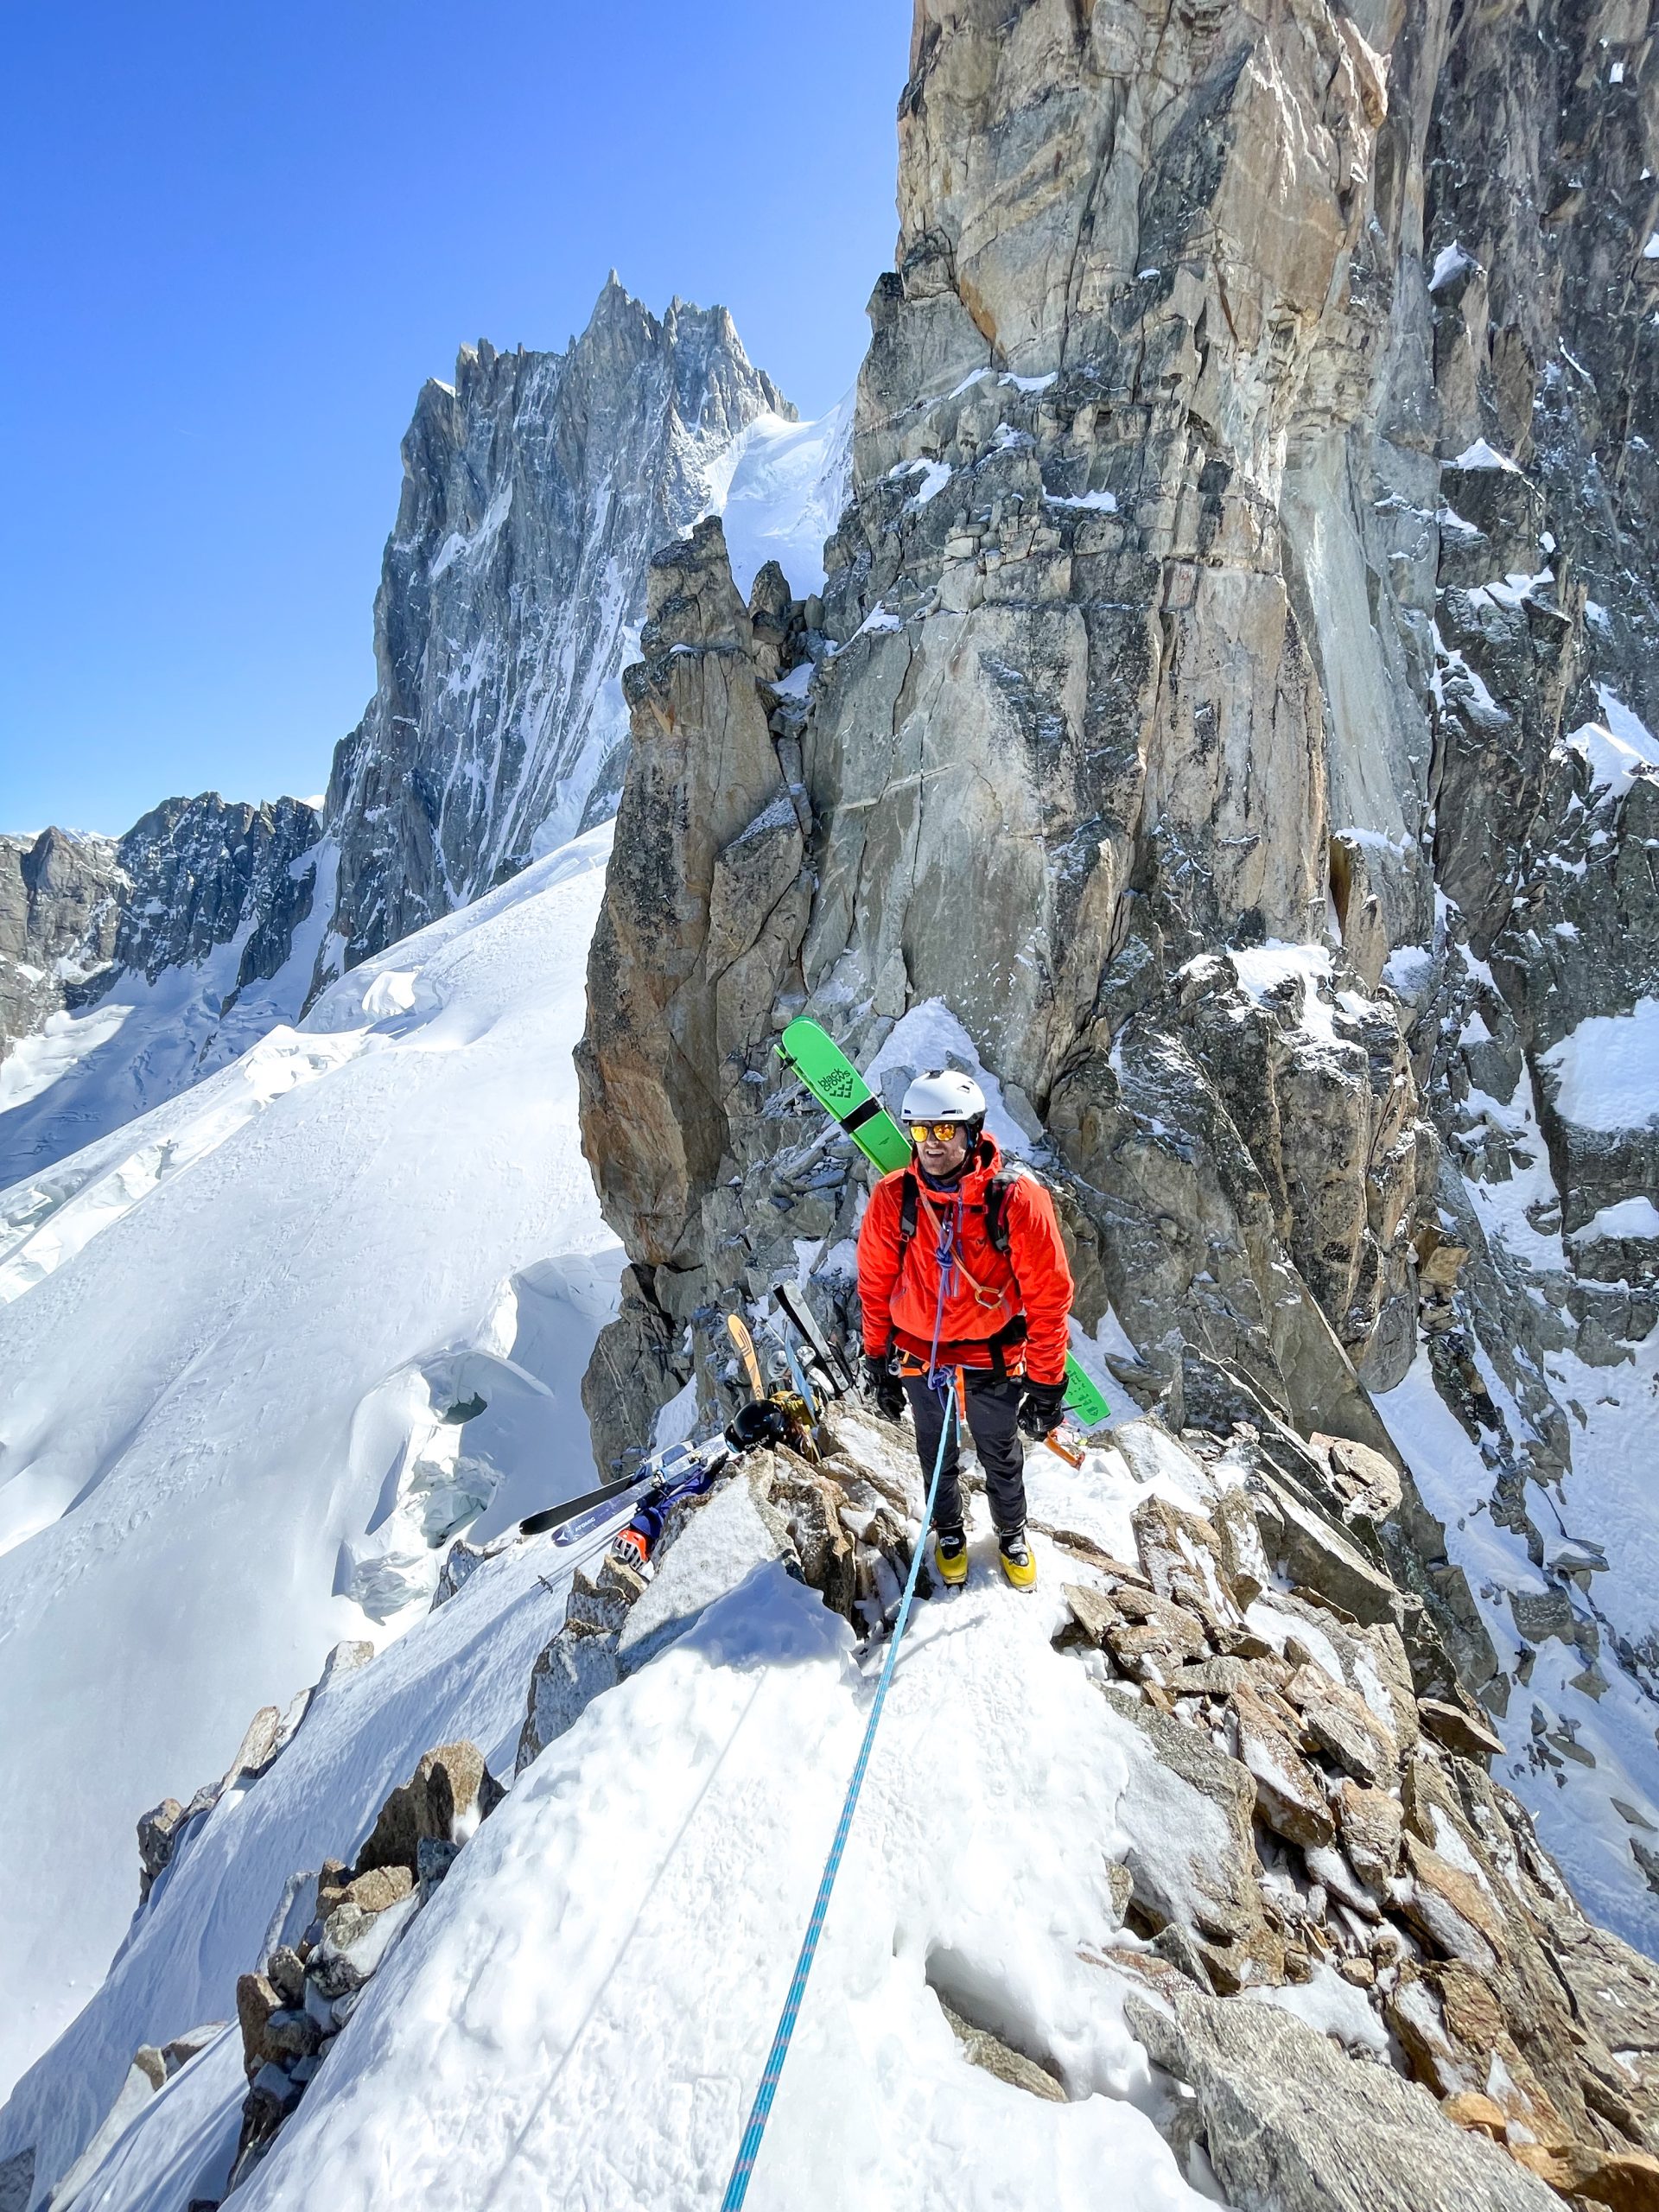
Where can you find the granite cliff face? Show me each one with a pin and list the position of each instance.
(1227, 697)
(534, 491)
(61, 903)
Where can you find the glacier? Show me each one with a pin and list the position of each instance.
(229, 1334)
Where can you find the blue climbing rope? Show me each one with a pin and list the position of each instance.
(943, 1382)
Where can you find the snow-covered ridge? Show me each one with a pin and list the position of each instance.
(1054, 1854)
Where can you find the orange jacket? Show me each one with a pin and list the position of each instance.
(899, 1287)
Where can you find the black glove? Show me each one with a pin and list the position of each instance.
(1040, 1408)
(884, 1386)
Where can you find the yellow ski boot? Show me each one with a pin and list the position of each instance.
(950, 1557)
(1018, 1563)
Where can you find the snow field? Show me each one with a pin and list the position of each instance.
(233, 1376)
(779, 488)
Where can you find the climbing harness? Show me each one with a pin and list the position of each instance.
(942, 1380)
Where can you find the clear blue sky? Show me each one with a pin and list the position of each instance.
(235, 239)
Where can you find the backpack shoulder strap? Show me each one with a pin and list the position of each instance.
(907, 1211)
(996, 1200)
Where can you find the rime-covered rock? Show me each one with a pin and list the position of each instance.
(1293, 2125)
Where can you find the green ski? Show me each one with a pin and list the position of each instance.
(842, 1092)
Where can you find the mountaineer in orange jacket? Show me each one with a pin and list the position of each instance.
(999, 1317)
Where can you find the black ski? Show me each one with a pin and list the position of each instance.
(665, 1466)
(831, 1357)
(554, 1517)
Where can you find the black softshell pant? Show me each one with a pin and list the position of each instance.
(992, 1408)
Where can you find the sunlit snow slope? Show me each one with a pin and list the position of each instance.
(227, 1335)
(779, 492)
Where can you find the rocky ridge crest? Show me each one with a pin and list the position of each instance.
(1365, 1981)
(1225, 699)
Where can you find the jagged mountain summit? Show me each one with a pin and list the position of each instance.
(131, 967)
(535, 490)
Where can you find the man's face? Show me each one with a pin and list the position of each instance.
(940, 1160)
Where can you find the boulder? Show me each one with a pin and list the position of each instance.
(1459, 1729)
(1450, 1910)
(1372, 1823)
(189, 2045)
(1469, 2109)
(285, 1971)
(260, 1744)
(157, 1833)
(981, 2048)
(1151, 1454)
(1413, 2011)
(1316, 1554)
(1187, 1812)
(1152, 1629)
(447, 1794)
(1365, 1481)
(381, 1886)
(255, 2000)
(1343, 1724)
(570, 1671)
(1288, 1795)
(1180, 1554)
(1243, 1558)
(599, 1603)
(290, 2033)
(811, 1501)
(1291, 2124)
(1093, 1611)
(354, 1943)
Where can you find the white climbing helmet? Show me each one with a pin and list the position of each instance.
(944, 1096)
